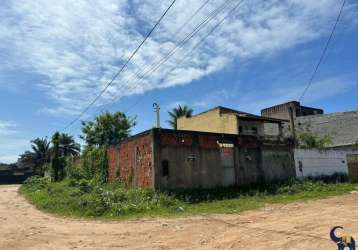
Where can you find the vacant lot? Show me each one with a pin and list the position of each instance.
(295, 226)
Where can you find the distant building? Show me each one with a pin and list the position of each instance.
(342, 127)
(230, 121)
(282, 111)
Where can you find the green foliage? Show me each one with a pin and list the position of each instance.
(180, 111)
(95, 163)
(58, 159)
(40, 155)
(68, 146)
(310, 141)
(107, 129)
(88, 198)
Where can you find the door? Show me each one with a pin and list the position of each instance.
(352, 161)
(227, 164)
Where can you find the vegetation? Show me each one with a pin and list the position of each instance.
(107, 129)
(62, 158)
(68, 146)
(90, 198)
(180, 111)
(310, 141)
(38, 157)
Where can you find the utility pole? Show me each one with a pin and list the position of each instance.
(292, 124)
(156, 110)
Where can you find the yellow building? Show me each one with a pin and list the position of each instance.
(230, 121)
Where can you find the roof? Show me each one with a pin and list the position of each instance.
(241, 114)
(296, 103)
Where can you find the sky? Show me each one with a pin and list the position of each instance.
(55, 57)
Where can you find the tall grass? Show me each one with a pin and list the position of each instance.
(84, 198)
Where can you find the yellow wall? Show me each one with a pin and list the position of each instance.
(211, 121)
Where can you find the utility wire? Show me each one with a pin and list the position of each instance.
(120, 70)
(196, 45)
(148, 69)
(323, 53)
(164, 59)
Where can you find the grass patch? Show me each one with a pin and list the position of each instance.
(83, 198)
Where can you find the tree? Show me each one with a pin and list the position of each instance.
(308, 141)
(27, 160)
(180, 111)
(57, 163)
(107, 129)
(41, 154)
(68, 146)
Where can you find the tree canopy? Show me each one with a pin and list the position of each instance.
(107, 129)
(308, 140)
(177, 112)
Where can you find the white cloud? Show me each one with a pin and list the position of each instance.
(7, 128)
(10, 148)
(77, 46)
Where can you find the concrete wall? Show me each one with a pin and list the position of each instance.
(281, 111)
(342, 126)
(166, 159)
(132, 161)
(210, 121)
(200, 160)
(248, 127)
(194, 160)
(315, 162)
(277, 163)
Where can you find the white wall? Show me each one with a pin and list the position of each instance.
(320, 162)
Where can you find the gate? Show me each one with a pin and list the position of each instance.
(352, 160)
(228, 165)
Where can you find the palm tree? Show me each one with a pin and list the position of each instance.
(180, 111)
(41, 153)
(68, 146)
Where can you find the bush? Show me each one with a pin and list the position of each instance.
(35, 183)
(91, 198)
(85, 197)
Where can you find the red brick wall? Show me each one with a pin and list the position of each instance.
(132, 160)
(176, 139)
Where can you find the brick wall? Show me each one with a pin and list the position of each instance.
(131, 161)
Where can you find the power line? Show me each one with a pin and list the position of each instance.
(120, 70)
(323, 52)
(148, 69)
(180, 45)
(196, 45)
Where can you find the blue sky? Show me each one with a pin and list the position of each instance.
(54, 58)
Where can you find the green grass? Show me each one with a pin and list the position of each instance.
(84, 198)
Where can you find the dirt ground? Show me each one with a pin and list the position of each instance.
(295, 226)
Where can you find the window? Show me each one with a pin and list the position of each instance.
(240, 129)
(165, 168)
(254, 130)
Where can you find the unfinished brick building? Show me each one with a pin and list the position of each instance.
(167, 159)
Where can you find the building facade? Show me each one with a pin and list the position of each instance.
(168, 159)
(230, 121)
(341, 127)
(284, 111)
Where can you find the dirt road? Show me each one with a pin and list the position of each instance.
(295, 226)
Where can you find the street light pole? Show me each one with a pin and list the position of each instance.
(157, 111)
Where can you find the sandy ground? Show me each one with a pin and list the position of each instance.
(295, 226)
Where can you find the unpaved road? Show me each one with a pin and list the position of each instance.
(295, 226)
